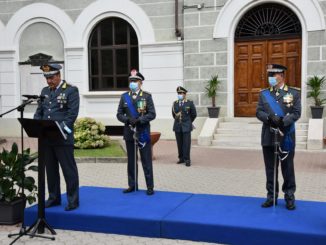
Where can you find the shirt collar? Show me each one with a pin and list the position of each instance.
(59, 85)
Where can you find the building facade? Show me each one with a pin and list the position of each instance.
(172, 42)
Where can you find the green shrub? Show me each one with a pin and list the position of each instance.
(89, 134)
(12, 173)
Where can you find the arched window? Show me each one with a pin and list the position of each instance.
(112, 52)
(268, 21)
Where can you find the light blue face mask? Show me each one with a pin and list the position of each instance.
(180, 97)
(272, 81)
(133, 86)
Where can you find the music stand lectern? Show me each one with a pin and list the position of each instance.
(43, 130)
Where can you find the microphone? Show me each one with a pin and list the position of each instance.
(35, 97)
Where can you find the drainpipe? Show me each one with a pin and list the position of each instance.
(177, 30)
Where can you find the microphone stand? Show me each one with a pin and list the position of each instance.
(23, 231)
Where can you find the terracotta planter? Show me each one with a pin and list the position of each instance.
(12, 213)
(155, 136)
(325, 141)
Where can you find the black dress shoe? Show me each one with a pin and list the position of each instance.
(188, 163)
(150, 191)
(290, 204)
(268, 203)
(180, 161)
(52, 203)
(130, 189)
(70, 207)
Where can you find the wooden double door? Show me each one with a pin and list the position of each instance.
(250, 75)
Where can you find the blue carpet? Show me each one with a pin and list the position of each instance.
(108, 210)
(197, 217)
(241, 220)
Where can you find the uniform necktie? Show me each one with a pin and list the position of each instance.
(277, 92)
(52, 93)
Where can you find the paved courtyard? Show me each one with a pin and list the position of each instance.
(214, 171)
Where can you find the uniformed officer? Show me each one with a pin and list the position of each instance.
(279, 107)
(136, 110)
(184, 113)
(61, 104)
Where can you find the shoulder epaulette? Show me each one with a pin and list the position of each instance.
(66, 85)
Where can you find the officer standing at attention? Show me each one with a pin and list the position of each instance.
(184, 113)
(136, 110)
(61, 104)
(279, 107)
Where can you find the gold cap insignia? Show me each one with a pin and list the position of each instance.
(46, 68)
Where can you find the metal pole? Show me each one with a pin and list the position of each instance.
(276, 145)
(135, 157)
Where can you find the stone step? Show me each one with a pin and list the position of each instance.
(241, 119)
(245, 138)
(248, 145)
(237, 125)
(255, 126)
(301, 145)
(251, 119)
(247, 132)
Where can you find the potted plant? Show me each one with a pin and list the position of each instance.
(211, 90)
(315, 83)
(12, 200)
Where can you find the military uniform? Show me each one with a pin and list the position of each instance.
(124, 115)
(184, 113)
(292, 112)
(62, 105)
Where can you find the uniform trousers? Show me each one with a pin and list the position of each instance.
(287, 168)
(146, 160)
(184, 143)
(63, 154)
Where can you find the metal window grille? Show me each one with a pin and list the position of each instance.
(268, 21)
(112, 53)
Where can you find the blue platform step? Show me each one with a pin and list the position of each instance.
(197, 217)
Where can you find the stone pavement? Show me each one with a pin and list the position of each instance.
(214, 171)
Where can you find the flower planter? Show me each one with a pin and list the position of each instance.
(12, 213)
(213, 112)
(317, 112)
(155, 136)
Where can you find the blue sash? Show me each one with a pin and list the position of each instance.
(134, 113)
(287, 143)
(144, 136)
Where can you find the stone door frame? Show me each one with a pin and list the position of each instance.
(309, 14)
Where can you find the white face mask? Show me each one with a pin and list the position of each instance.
(180, 96)
(133, 86)
(272, 81)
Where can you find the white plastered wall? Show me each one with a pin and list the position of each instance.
(161, 63)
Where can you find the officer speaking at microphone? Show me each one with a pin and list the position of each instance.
(61, 104)
(184, 113)
(136, 110)
(279, 107)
